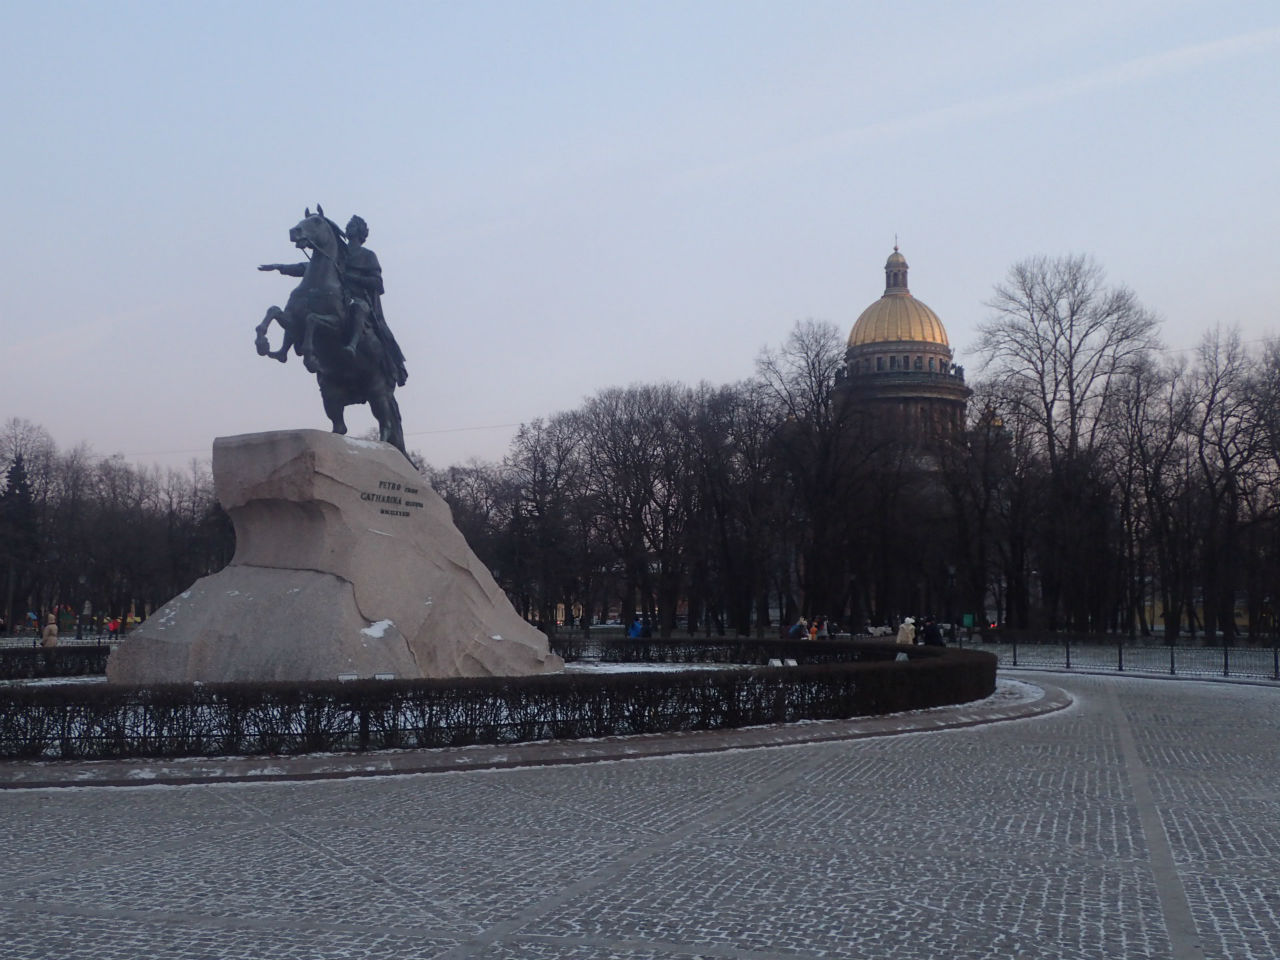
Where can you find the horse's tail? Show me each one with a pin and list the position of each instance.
(397, 428)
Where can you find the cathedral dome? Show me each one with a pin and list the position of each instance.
(897, 316)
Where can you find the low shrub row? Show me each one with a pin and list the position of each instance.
(106, 720)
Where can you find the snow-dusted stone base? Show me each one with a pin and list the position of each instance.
(346, 562)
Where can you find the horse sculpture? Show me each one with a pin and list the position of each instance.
(351, 365)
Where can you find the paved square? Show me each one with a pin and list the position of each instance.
(1142, 822)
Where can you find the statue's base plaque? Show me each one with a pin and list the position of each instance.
(347, 565)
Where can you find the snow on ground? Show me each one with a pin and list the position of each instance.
(1011, 692)
(593, 666)
(51, 681)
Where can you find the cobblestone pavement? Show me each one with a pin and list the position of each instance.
(1141, 822)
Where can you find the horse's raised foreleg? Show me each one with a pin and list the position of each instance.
(260, 341)
(309, 352)
(312, 321)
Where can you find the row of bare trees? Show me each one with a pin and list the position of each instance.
(1102, 484)
(78, 529)
(1134, 489)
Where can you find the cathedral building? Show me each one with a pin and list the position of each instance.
(898, 373)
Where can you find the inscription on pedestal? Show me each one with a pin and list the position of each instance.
(393, 495)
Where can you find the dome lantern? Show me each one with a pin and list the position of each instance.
(898, 316)
(895, 274)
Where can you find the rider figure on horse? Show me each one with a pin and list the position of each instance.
(362, 282)
(361, 276)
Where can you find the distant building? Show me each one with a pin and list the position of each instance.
(898, 373)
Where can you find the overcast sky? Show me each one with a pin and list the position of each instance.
(570, 196)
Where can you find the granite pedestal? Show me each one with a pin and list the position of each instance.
(347, 564)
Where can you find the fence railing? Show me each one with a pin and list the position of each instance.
(25, 663)
(1123, 655)
(20, 641)
(108, 720)
(694, 649)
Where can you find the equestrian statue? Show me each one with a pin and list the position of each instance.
(334, 321)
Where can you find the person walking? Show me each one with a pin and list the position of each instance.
(907, 632)
(932, 635)
(49, 635)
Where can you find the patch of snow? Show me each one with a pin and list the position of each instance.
(376, 630)
(1010, 692)
(166, 618)
(52, 681)
(186, 595)
(496, 636)
(381, 533)
(364, 444)
(587, 666)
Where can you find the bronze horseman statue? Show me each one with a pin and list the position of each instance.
(334, 321)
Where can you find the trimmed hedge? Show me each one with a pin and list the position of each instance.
(85, 721)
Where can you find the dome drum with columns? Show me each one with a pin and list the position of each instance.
(898, 365)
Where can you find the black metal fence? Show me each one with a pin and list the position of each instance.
(1124, 655)
(25, 663)
(616, 649)
(106, 720)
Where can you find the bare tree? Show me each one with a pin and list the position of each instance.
(812, 453)
(1061, 338)
(1061, 342)
(22, 438)
(547, 472)
(1228, 442)
(636, 451)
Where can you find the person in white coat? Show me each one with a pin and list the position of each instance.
(907, 632)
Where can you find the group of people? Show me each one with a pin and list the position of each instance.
(929, 633)
(47, 633)
(819, 628)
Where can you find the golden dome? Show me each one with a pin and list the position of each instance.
(897, 316)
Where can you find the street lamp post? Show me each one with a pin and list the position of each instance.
(84, 610)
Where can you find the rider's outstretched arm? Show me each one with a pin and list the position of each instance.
(288, 269)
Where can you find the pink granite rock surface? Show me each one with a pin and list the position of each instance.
(347, 562)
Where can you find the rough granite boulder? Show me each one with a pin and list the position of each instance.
(347, 563)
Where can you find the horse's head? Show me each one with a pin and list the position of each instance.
(315, 231)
